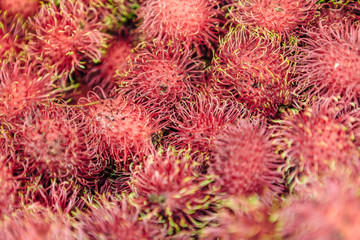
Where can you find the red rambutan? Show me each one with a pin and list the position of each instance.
(252, 67)
(36, 223)
(115, 61)
(172, 191)
(245, 160)
(160, 75)
(316, 140)
(194, 23)
(328, 210)
(197, 123)
(329, 63)
(11, 33)
(8, 191)
(65, 37)
(281, 16)
(49, 144)
(241, 218)
(21, 86)
(20, 7)
(118, 219)
(117, 129)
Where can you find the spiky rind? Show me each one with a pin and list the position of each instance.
(329, 63)
(172, 190)
(65, 37)
(194, 23)
(117, 129)
(245, 160)
(281, 16)
(252, 67)
(160, 75)
(118, 218)
(199, 120)
(316, 140)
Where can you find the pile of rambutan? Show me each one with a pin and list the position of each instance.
(179, 119)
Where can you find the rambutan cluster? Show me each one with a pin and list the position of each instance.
(167, 119)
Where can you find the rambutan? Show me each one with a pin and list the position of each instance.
(281, 16)
(65, 38)
(8, 191)
(49, 144)
(194, 23)
(329, 63)
(118, 219)
(21, 86)
(117, 129)
(252, 67)
(115, 61)
(11, 33)
(241, 218)
(19, 7)
(197, 123)
(172, 190)
(315, 141)
(245, 160)
(160, 75)
(328, 210)
(34, 222)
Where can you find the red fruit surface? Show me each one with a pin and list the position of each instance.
(160, 75)
(241, 218)
(21, 86)
(252, 67)
(197, 123)
(20, 7)
(115, 60)
(245, 160)
(49, 144)
(118, 129)
(118, 219)
(11, 33)
(281, 16)
(8, 191)
(172, 190)
(192, 22)
(36, 223)
(329, 65)
(315, 141)
(328, 210)
(65, 37)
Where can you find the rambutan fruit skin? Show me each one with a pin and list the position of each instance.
(241, 218)
(8, 191)
(329, 63)
(197, 122)
(22, 86)
(117, 128)
(34, 222)
(160, 75)
(252, 67)
(118, 219)
(19, 7)
(281, 16)
(315, 141)
(11, 34)
(49, 144)
(65, 37)
(115, 60)
(245, 160)
(194, 23)
(172, 190)
(327, 210)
